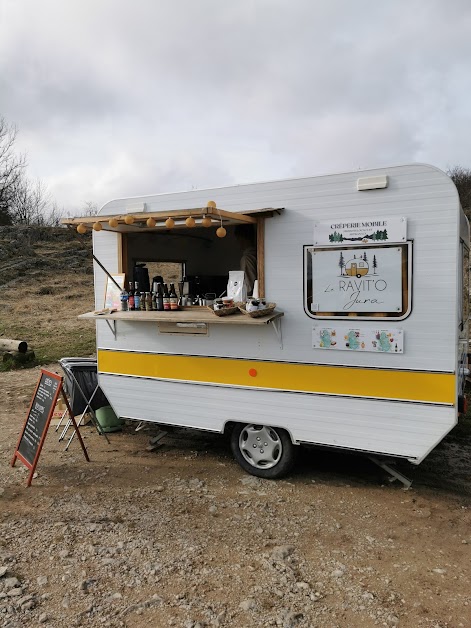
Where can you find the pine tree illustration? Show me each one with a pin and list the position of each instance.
(364, 257)
(375, 264)
(341, 263)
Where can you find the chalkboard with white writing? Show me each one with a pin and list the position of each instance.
(40, 412)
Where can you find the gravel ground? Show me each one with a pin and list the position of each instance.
(180, 536)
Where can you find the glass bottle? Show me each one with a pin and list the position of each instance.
(159, 298)
(137, 298)
(166, 298)
(173, 298)
(131, 296)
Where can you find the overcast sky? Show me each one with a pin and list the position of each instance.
(117, 98)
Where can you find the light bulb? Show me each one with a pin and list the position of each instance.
(211, 204)
(170, 223)
(190, 222)
(129, 220)
(206, 222)
(221, 232)
(81, 228)
(113, 223)
(150, 222)
(97, 226)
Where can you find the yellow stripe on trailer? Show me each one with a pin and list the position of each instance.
(310, 378)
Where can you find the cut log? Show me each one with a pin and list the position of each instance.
(6, 344)
(15, 357)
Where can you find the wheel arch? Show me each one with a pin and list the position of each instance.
(230, 424)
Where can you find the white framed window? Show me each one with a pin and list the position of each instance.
(365, 282)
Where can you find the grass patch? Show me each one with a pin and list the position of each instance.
(47, 319)
(68, 344)
(46, 290)
(52, 344)
(9, 366)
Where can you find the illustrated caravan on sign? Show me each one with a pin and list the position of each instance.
(357, 267)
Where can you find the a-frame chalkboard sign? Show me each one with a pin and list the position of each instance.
(37, 421)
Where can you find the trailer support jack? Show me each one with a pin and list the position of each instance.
(395, 475)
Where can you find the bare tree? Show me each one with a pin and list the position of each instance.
(90, 208)
(11, 169)
(29, 202)
(54, 216)
(462, 179)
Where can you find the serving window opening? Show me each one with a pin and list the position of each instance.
(207, 242)
(197, 258)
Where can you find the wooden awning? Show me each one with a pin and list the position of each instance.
(139, 220)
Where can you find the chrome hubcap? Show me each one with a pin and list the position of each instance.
(261, 446)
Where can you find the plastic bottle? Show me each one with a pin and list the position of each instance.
(124, 300)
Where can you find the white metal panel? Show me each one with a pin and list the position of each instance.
(106, 249)
(428, 199)
(400, 429)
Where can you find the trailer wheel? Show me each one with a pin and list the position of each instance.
(264, 451)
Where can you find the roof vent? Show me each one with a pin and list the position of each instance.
(136, 208)
(372, 183)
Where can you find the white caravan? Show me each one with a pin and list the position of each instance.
(366, 350)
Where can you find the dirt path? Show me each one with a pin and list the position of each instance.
(182, 537)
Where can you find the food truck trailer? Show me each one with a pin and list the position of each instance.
(366, 349)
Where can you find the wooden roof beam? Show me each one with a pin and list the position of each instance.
(215, 214)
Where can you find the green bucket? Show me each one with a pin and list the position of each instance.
(108, 420)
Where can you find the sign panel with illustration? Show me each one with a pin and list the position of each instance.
(357, 280)
(113, 293)
(365, 339)
(360, 231)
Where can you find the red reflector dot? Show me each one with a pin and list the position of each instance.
(252, 373)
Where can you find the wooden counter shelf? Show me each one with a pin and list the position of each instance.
(190, 315)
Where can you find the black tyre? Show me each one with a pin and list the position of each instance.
(264, 451)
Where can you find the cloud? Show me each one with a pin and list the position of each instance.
(115, 98)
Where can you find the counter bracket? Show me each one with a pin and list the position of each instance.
(276, 324)
(112, 325)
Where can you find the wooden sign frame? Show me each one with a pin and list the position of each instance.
(59, 391)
